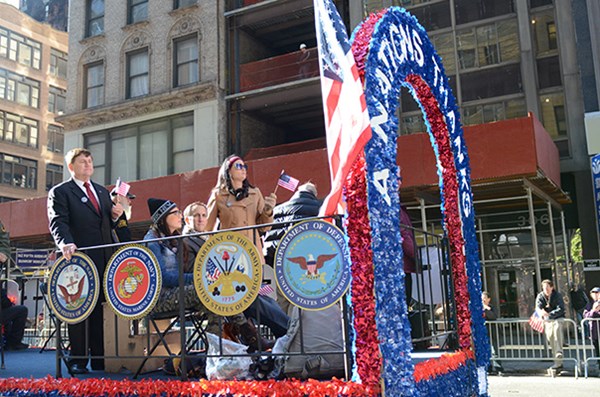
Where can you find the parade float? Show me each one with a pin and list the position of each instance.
(392, 50)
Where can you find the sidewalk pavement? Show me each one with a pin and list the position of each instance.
(535, 386)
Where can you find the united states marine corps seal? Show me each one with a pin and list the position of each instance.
(227, 273)
(132, 281)
(312, 265)
(73, 288)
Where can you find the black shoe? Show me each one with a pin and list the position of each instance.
(97, 366)
(77, 369)
(17, 346)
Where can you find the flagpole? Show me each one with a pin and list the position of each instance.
(277, 184)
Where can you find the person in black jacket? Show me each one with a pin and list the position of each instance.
(81, 214)
(303, 204)
(12, 317)
(550, 306)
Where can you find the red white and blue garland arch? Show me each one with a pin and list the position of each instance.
(392, 50)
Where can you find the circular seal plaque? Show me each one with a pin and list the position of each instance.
(228, 273)
(132, 281)
(73, 288)
(312, 265)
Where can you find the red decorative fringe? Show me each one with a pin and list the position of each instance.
(451, 210)
(438, 366)
(368, 356)
(151, 388)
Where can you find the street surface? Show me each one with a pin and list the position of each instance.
(546, 386)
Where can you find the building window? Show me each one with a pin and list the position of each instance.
(444, 45)
(549, 72)
(56, 100)
(544, 32)
(137, 11)
(17, 88)
(95, 17)
(18, 129)
(137, 73)
(495, 111)
(553, 114)
(56, 139)
(54, 175)
(551, 32)
(94, 85)
(433, 16)
(20, 49)
(488, 45)
(475, 10)
(489, 83)
(186, 61)
(18, 171)
(183, 3)
(58, 63)
(145, 150)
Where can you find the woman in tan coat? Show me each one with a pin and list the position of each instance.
(236, 203)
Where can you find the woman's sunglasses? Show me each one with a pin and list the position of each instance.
(240, 166)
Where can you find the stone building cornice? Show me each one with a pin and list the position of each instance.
(134, 108)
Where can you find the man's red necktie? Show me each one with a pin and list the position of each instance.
(91, 196)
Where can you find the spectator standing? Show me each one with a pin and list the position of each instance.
(236, 203)
(304, 62)
(490, 315)
(579, 300)
(550, 306)
(592, 311)
(408, 246)
(303, 204)
(121, 230)
(81, 214)
(13, 316)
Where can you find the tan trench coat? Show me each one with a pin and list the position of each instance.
(246, 212)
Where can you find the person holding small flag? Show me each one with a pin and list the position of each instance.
(550, 306)
(236, 203)
(121, 194)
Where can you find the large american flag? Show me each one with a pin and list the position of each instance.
(347, 121)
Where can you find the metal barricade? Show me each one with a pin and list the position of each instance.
(515, 340)
(590, 354)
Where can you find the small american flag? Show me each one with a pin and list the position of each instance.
(536, 322)
(287, 182)
(266, 289)
(122, 188)
(212, 271)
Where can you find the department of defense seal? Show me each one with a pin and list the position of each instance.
(73, 288)
(228, 273)
(312, 265)
(132, 281)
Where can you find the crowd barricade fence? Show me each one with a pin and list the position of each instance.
(513, 339)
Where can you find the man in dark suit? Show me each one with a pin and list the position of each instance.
(81, 214)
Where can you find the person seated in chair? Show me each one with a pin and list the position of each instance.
(167, 221)
(13, 316)
(13, 319)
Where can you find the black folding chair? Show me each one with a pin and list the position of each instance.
(198, 334)
(54, 321)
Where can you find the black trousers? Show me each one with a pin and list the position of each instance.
(91, 329)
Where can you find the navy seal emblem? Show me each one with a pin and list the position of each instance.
(73, 288)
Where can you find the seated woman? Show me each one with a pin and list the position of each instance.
(270, 313)
(167, 222)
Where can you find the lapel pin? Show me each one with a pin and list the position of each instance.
(84, 199)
